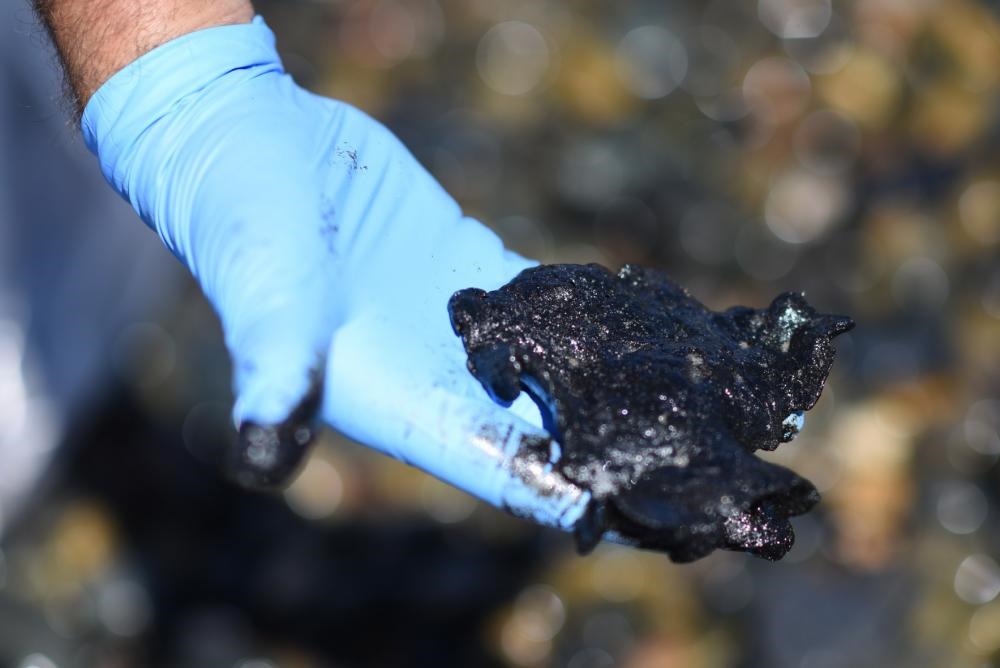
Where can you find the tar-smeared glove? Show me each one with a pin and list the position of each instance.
(329, 254)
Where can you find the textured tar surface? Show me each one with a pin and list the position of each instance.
(657, 403)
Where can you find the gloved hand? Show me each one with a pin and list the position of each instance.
(330, 254)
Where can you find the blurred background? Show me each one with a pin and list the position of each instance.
(849, 149)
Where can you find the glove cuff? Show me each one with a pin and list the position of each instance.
(166, 79)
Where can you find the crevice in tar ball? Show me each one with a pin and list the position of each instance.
(657, 402)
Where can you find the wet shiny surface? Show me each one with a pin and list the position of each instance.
(658, 403)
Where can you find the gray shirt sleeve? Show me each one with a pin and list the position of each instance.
(77, 266)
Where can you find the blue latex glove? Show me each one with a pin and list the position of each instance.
(330, 255)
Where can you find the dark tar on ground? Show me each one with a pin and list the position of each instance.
(655, 402)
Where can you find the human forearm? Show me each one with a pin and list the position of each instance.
(96, 38)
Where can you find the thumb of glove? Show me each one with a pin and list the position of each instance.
(214, 147)
(272, 284)
(278, 379)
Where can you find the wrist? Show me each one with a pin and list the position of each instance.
(183, 77)
(156, 125)
(128, 30)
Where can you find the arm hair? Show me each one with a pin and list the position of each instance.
(96, 38)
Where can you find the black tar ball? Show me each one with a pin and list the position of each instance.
(657, 402)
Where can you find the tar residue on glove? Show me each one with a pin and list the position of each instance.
(656, 402)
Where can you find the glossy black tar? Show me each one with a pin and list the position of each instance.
(656, 402)
(266, 457)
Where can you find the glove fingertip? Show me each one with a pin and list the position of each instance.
(267, 456)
